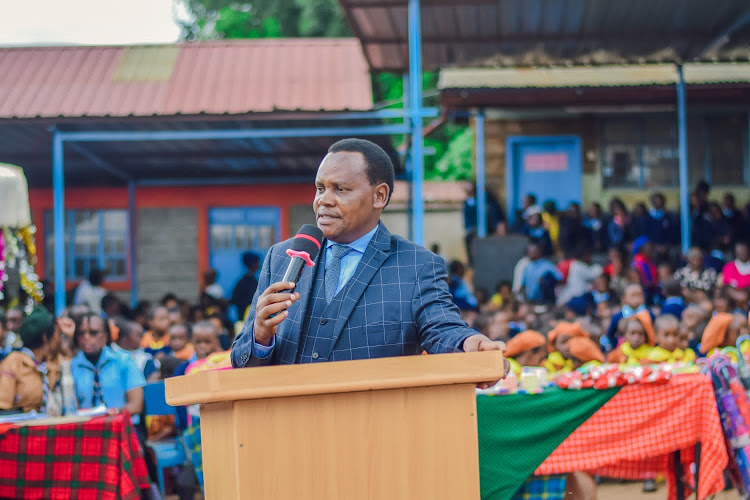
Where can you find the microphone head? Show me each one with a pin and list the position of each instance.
(308, 239)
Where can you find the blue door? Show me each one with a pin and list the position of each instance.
(233, 231)
(547, 166)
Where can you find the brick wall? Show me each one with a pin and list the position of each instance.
(167, 252)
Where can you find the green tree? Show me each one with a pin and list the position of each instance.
(211, 19)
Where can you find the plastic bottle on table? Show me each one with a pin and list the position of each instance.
(68, 386)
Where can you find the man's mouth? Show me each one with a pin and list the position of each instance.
(326, 217)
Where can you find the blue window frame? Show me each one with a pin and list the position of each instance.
(93, 238)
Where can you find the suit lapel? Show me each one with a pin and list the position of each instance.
(375, 254)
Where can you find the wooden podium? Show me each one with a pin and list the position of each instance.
(390, 428)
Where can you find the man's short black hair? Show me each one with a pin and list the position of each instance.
(379, 165)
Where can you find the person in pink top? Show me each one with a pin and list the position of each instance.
(736, 274)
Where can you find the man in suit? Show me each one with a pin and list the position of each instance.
(371, 294)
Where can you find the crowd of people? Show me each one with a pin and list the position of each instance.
(614, 287)
(601, 270)
(592, 288)
(102, 353)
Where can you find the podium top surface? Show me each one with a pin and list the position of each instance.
(335, 377)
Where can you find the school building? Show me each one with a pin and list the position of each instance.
(593, 133)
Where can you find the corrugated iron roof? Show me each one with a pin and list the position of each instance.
(221, 77)
(598, 76)
(552, 32)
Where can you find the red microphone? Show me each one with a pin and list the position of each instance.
(305, 247)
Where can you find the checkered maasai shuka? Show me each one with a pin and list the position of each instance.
(549, 487)
(100, 458)
(633, 435)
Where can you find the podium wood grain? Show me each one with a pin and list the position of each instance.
(391, 429)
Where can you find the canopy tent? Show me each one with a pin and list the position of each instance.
(397, 35)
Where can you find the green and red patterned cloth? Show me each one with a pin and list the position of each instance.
(100, 458)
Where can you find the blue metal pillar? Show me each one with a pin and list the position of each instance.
(481, 192)
(415, 115)
(683, 156)
(407, 163)
(133, 244)
(58, 218)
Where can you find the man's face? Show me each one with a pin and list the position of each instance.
(346, 205)
(14, 320)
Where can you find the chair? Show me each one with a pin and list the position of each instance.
(168, 452)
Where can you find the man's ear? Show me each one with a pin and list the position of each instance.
(380, 195)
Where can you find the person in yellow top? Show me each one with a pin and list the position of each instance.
(559, 359)
(584, 352)
(23, 373)
(639, 340)
(525, 349)
(723, 331)
(688, 355)
(667, 349)
(551, 220)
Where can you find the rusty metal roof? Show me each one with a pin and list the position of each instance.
(597, 76)
(509, 33)
(219, 77)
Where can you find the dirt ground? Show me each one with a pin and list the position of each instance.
(632, 491)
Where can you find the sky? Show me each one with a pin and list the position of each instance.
(88, 22)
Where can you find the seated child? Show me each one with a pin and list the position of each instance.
(179, 342)
(633, 301)
(156, 340)
(503, 295)
(673, 303)
(584, 352)
(639, 338)
(600, 290)
(667, 349)
(688, 354)
(526, 349)
(723, 331)
(559, 359)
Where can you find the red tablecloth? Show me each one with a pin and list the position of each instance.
(633, 435)
(100, 458)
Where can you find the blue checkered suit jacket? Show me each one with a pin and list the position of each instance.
(399, 288)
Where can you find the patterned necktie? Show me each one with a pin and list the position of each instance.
(333, 271)
(97, 396)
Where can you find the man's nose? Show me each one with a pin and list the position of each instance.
(326, 198)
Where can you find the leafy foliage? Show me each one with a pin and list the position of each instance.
(263, 19)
